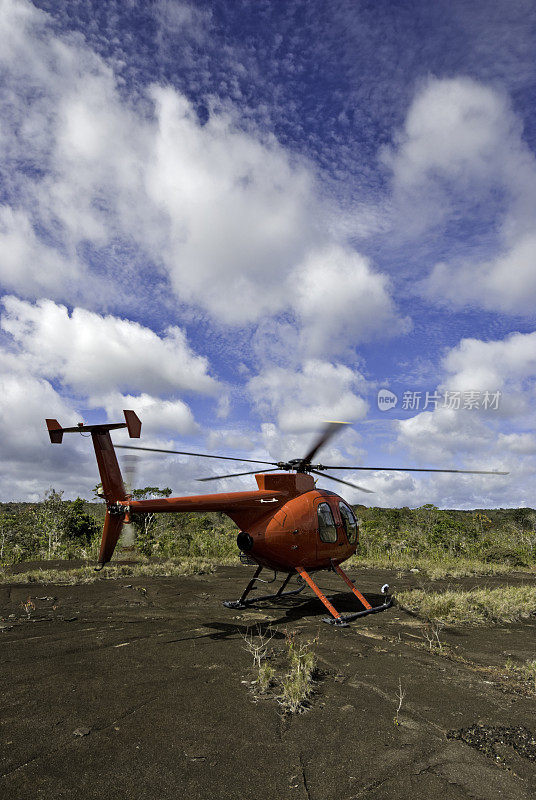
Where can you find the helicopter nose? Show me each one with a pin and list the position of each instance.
(244, 541)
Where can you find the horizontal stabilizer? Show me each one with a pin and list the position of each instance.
(132, 423)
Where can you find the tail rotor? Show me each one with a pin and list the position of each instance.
(130, 470)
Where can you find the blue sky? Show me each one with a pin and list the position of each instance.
(243, 218)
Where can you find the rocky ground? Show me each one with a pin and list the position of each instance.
(141, 688)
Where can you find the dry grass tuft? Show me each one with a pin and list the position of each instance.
(525, 672)
(87, 574)
(480, 606)
(292, 680)
(437, 569)
(297, 685)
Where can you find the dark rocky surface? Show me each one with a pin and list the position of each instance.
(134, 688)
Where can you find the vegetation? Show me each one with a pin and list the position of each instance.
(525, 672)
(438, 542)
(61, 529)
(266, 676)
(288, 677)
(399, 700)
(87, 574)
(52, 529)
(506, 604)
(297, 685)
(447, 543)
(431, 633)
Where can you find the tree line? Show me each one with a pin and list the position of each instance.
(60, 529)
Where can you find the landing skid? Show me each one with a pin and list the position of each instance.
(342, 621)
(244, 603)
(339, 620)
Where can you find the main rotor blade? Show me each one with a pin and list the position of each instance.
(419, 469)
(346, 483)
(234, 475)
(329, 431)
(200, 455)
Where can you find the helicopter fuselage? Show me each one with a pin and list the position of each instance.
(286, 523)
(291, 537)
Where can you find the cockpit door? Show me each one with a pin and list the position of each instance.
(329, 533)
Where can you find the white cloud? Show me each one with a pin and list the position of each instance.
(97, 354)
(157, 415)
(26, 261)
(31, 464)
(523, 443)
(231, 440)
(479, 439)
(507, 365)
(505, 283)
(241, 215)
(25, 401)
(454, 129)
(227, 216)
(398, 489)
(340, 300)
(436, 437)
(304, 399)
(173, 17)
(461, 147)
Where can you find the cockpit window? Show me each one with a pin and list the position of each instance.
(326, 523)
(349, 521)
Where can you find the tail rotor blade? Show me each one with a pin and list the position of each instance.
(128, 536)
(130, 471)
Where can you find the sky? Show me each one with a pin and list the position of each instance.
(241, 219)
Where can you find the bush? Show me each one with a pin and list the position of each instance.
(396, 536)
(79, 526)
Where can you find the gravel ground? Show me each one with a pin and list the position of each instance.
(140, 688)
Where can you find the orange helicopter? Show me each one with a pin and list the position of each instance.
(287, 525)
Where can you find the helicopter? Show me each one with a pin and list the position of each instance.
(287, 524)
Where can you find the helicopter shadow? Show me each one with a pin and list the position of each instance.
(294, 609)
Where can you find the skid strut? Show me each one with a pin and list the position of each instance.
(243, 603)
(338, 619)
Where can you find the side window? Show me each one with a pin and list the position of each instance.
(349, 521)
(326, 523)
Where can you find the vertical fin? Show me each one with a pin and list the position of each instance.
(54, 431)
(133, 424)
